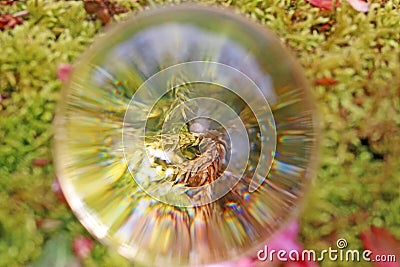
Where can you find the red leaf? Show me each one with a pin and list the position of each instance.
(8, 21)
(104, 15)
(114, 8)
(325, 27)
(104, 9)
(92, 6)
(7, 2)
(381, 242)
(39, 162)
(325, 81)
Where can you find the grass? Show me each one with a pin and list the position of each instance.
(351, 58)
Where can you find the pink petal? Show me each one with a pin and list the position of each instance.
(63, 72)
(325, 4)
(359, 5)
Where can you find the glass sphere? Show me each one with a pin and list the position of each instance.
(185, 136)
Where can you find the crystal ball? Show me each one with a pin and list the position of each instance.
(185, 136)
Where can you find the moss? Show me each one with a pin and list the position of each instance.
(359, 176)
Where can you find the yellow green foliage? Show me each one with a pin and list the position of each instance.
(358, 181)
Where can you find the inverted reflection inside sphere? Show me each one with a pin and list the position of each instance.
(186, 136)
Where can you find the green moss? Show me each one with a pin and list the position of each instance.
(359, 176)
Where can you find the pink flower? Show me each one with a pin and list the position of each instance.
(358, 5)
(63, 72)
(286, 240)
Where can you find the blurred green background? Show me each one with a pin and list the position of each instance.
(352, 61)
